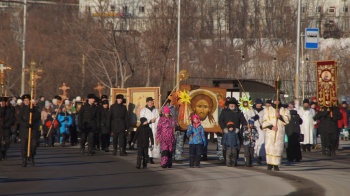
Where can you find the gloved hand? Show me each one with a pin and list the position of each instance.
(151, 148)
(256, 117)
(132, 144)
(237, 130)
(261, 127)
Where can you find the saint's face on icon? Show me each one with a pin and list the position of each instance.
(202, 109)
(326, 76)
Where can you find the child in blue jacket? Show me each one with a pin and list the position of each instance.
(66, 121)
(231, 144)
(250, 135)
(195, 133)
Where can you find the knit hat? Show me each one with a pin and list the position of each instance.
(258, 101)
(166, 110)
(66, 102)
(54, 101)
(344, 102)
(269, 101)
(78, 98)
(195, 116)
(230, 124)
(142, 120)
(47, 103)
(19, 101)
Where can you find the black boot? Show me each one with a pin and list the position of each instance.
(303, 147)
(259, 161)
(24, 162)
(32, 163)
(138, 162)
(151, 160)
(269, 167)
(115, 152)
(145, 161)
(121, 152)
(82, 151)
(275, 168)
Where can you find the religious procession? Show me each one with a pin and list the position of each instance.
(137, 118)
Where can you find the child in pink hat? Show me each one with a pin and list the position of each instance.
(165, 135)
(195, 133)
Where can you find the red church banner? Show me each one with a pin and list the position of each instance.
(326, 83)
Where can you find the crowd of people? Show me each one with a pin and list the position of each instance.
(263, 131)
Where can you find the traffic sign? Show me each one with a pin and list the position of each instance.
(311, 38)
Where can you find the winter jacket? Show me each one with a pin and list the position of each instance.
(246, 137)
(196, 135)
(231, 140)
(66, 121)
(235, 116)
(88, 118)
(23, 121)
(343, 122)
(118, 118)
(294, 123)
(143, 135)
(328, 123)
(104, 128)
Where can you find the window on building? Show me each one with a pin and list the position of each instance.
(112, 8)
(303, 9)
(318, 9)
(331, 10)
(141, 9)
(346, 8)
(125, 9)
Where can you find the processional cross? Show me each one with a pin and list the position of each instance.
(64, 88)
(99, 88)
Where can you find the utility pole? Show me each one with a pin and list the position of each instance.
(296, 90)
(24, 46)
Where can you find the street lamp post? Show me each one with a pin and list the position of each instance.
(178, 45)
(296, 90)
(24, 45)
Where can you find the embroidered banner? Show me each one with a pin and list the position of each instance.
(326, 83)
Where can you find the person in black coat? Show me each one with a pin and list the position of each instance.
(88, 118)
(105, 132)
(143, 136)
(293, 132)
(24, 126)
(118, 124)
(328, 128)
(232, 114)
(7, 120)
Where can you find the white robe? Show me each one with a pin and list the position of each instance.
(274, 148)
(145, 112)
(307, 128)
(259, 149)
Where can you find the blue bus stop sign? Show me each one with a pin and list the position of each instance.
(311, 38)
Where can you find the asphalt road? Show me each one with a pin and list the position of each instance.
(63, 171)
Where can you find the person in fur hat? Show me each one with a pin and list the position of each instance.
(195, 133)
(143, 136)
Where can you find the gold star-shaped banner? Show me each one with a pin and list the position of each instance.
(184, 97)
(245, 103)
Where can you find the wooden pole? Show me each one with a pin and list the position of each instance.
(277, 103)
(32, 78)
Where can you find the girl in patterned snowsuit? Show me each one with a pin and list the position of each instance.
(165, 135)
